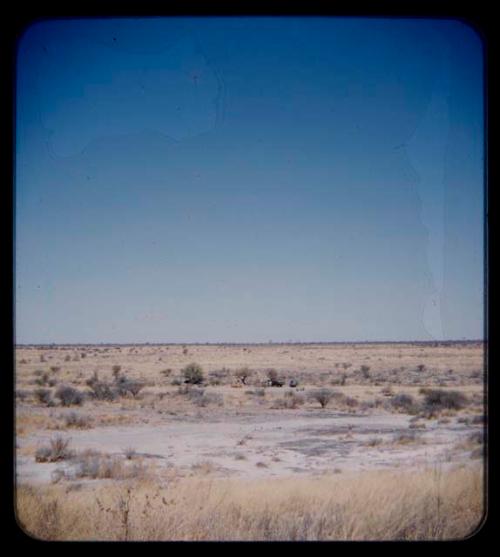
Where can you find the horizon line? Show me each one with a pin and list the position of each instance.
(269, 343)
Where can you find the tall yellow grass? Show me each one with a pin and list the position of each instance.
(381, 505)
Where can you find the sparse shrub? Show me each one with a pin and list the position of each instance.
(186, 389)
(437, 399)
(43, 454)
(272, 374)
(219, 376)
(75, 420)
(404, 403)
(206, 399)
(69, 396)
(405, 437)
(350, 402)
(365, 371)
(293, 400)
(44, 396)
(259, 392)
(93, 379)
(125, 386)
(243, 374)
(476, 437)
(323, 396)
(290, 401)
(374, 442)
(21, 395)
(58, 450)
(102, 390)
(93, 465)
(273, 381)
(193, 374)
(477, 453)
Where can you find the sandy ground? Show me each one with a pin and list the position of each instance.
(268, 445)
(246, 438)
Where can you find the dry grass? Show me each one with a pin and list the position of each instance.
(370, 506)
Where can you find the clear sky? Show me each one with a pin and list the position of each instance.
(249, 179)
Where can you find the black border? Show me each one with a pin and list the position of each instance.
(22, 16)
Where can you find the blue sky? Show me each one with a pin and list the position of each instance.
(249, 179)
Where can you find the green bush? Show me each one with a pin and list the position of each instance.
(193, 374)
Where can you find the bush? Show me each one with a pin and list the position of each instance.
(219, 376)
(323, 396)
(93, 465)
(58, 450)
(193, 374)
(21, 395)
(132, 387)
(44, 396)
(404, 438)
(272, 374)
(69, 396)
(243, 374)
(290, 401)
(259, 392)
(206, 399)
(350, 402)
(404, 403)
(73, 419)
(365, 371)
(436, 399)
(273, 381)
(102, 390)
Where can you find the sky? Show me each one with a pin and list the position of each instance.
(249, 179)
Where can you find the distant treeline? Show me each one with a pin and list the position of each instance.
(430, 343)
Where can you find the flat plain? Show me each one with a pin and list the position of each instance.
(250, 442)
